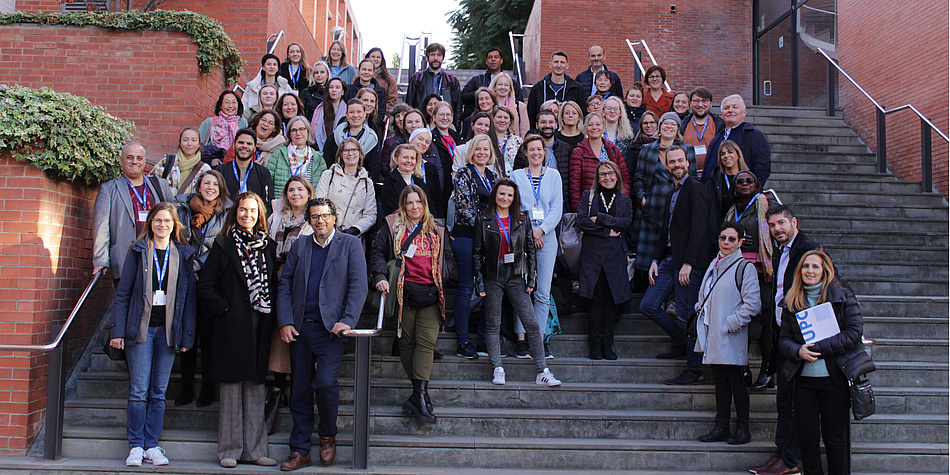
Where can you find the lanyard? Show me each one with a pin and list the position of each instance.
(300, 168)
(161, 269)
(449, 143)
(506, 232)
(438, 89)
(751, 202)
(484, 179)
(728, 184)
(535, 189)
(142, 199)
(295, 75)
(504, 145)
(551, 157)
(243, 187)
(306, 161)
(699, 135)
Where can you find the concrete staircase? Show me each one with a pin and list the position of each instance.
(888, 239)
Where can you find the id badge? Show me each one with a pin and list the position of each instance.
(411, 252)
(537, 214)
(700, 149)
(510, 258)
(143, 215)
(159, 298)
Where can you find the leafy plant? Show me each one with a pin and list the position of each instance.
(215, 47)
(482, 24)
(62, 134)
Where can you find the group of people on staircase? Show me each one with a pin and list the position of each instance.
(660, 195)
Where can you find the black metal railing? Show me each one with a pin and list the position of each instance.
(362, 388)
(926, 126)
(56, 389)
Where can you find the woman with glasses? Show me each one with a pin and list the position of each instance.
(656, 98)
(348, 185)
(588, 154)
(297, 157)
(444, 141)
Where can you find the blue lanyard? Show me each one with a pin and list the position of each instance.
(296, 75)
(484, 179)
(449, 143)
(506, 232)
(551, 157)
(504, 145)
(243, 187)
(438, 89)
(161, 269)
(607, 136)
(535, 189)
(728, 184)
(699, 135)
(751, 202)
(142, 199)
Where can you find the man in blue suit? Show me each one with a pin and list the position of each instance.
(754, 146)
(321, 293)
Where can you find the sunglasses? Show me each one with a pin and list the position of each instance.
(745, 181)
(728, 238)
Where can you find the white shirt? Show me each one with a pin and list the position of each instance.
(329, 238)
(780, 279)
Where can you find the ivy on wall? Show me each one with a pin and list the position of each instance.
(215, 47)
(61, 134)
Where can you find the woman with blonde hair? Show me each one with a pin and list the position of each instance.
(408, 168)
(570, 119)
(504, 88)
(312, 95)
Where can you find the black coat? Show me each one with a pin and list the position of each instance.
(380, 91)
(258, 180)
(311, 96)
(484, 80)
(600, 252)
(755, 151)
(800, 246)
(446, 157)
(562, 155)
(302, 80)
(833, 349)
(487, 246)
(240, 351)
(451, 91)
(586, 79)
(540, 92)
(720, 199)
(394, 184)
(687, 228)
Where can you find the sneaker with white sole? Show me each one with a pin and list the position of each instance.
(135, 457)
(156, 456)
(545, 378)
(498, 376)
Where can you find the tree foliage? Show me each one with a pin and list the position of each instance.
(482, 24)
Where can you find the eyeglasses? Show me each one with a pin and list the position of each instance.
(267, 121)
(324, 216)
(349, 151)
(606, 174)
(655, 76)
(745, 181)
(444, 115)
(727, 238)
(612, 109)
(298, 130)
(701, 101)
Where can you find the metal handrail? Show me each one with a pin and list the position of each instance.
(273, 46)
(370, 331)
(516, 58)
(56, 386)
(362, 387)
(636, 58)
(926, 151)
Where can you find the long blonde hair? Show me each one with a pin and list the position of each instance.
(796, 300)
(624, 129)
(511, 88)
(416, 170)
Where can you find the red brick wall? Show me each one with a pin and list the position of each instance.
(148, 77)
(675, 38)
(39, 6)
(897, 68)
(45, 264)
(284, 14)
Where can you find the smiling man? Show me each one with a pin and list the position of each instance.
(556, 85)
(585, 78)
(754, 146)
(700, 126)
(243, 174)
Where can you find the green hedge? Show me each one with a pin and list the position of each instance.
(61, 134)
(215, 47)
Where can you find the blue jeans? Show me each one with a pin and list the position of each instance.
(462, 247)
(665, 283)
(150, 367)
(546, 258)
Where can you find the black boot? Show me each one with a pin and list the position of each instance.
(186, 395)
(607, 348)
(206, 397)
(395, 350)
(425, 396)
(416, 405)
(596, 351)
(740, 436)
(765, 379)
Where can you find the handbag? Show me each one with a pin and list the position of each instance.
(862, 398)
(419, 295)
(114, 354)
(570, 240)
(856, 364)
(271, 402)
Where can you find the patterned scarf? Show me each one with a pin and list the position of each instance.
(223, 128)
(300, 162)
(250, 252)
(288, 228)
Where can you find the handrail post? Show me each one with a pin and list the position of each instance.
(55, 399)
(361, 404)
(881, 141)
(831, 90)
(926, 173)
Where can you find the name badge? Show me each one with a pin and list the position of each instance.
(510, 258)
(537, 213)
(700, 149)
(143, 215)
(411, 252)
(159, 298)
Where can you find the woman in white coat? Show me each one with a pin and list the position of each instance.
(728, 299)
(349, 186)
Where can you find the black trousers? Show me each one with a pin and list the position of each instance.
(602, 313)
(730, 387)
(822, 411)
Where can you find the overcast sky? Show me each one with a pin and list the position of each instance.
(384, 22)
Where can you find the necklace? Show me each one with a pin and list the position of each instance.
(604, 201)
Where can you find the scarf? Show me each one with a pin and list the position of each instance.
(288, 228)
(267, 147)
(200, 212)
(299, 162)
(250, 253)
(399, 232)
(186, 163)
(367, 139)
(764, 247)
(223, 129)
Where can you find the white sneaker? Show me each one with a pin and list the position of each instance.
(156, 456)
(135, 457)
(547, 379)
(499, 376)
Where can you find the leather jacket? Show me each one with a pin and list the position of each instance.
(487, 245)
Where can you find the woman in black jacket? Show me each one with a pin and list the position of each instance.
(236, 285)
(312, 95)
(604, 215)
(408, 169)
(504, 263)
(817, 369)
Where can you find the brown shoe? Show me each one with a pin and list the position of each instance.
(295, 461)
(327, 450)
(765, 466)
(779, 468)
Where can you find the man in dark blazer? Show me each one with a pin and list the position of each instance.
(791, 245)
(679, 266)
(585, 78)
(321, 293)
(752, 142)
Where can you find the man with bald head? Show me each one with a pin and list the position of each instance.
(121, 208)
(596, 56)
(754, 146)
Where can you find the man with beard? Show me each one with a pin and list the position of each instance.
(754, 146)
(242, 174)
(557, 153)
(696, 125)
(434, 80)
(679, 265)
(321, 293)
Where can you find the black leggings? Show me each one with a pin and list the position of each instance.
(730, 386)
